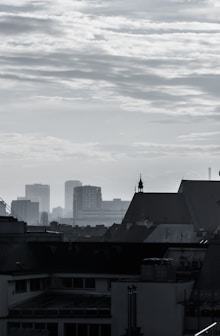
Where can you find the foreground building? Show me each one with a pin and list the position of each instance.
(89, 289)
(118, 287)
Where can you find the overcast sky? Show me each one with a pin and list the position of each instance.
(103, 90)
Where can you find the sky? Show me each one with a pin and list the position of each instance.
(105, 90)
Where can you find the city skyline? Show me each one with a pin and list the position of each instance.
(103, 91)
(36, 188)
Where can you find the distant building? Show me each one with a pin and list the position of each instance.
(69, 196)
(44, 221)
(57, 213)
(39, 193)
(93, 212)
(2, 208)
(115, 205)
(25, 210)
(87, 198)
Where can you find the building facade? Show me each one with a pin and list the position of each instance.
(87, 198)
(39, 193)
(114, 289)
(69, 196)
(26, 210)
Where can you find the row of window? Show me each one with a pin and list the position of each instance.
(87, 312)
(76, 329)
(70, 329)
(21, 286)
(34, 285)
(78, 283)
(29, 328)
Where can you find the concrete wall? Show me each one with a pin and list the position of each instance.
(159, 308)
(3, 295)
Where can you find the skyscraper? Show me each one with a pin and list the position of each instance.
(87, 198)
(69, 196)
(39, 193)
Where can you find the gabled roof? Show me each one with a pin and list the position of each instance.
(127, 233)
(159, 208)
(203, 201)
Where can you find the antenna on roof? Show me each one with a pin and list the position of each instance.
(210, 173)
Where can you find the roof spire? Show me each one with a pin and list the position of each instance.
(140, 185)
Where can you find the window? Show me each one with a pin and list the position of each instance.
(105, 330)
(27, 325)
(67, 282)
(82, 330)
(90, 283)
(93, 329)
(20, 286)
(14, 325)
(78, 283)
(40, 326)
(35, 285)
(52, 328)
(70, 329)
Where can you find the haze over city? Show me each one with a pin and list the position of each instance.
(101, 91)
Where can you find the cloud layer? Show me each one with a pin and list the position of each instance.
(110, 81)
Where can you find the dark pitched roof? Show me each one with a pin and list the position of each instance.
(203, 201)
(159, 208)
(127, 233)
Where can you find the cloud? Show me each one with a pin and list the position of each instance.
(18, 24)
(41, 148)
(176, 150)
(140, 64)
(197, 136)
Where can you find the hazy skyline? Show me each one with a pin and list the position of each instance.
(101, 91)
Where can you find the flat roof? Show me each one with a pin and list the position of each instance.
(66, 301)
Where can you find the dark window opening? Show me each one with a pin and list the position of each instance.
(20, 286)
(82, 329)
(89, 283)
(105, 330)
(70, 329)
(35, 284)
(78, 283)
(67, 282)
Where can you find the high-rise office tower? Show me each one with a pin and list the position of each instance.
(39, 193)
(69, 196)
(25, 210)
(87, 198)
